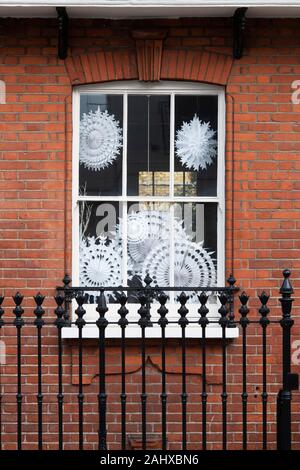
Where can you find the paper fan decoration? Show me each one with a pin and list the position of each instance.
(145, 231)
(193, 266)
(195, 144)
(100, 263)
(100, 139)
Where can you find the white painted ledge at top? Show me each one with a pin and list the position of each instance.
(156, 3)
(149, 8)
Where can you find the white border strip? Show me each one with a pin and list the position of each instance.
(152, 3)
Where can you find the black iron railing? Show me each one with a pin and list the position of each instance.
(151, 298)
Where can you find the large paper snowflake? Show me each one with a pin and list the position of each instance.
(146, 230)
(195, 144)
(193, 266)
(100, 263)
(100, 139)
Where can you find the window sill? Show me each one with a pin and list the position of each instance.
(134, 331)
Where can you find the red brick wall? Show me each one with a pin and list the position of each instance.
(262, 189)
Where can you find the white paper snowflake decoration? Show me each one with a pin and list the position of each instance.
(100, 263)
(100, 139)
(195, 144)
(193, 266)
(147, 230)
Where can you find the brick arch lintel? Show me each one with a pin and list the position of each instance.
(179, 64)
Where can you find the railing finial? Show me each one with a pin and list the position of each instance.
(149, 296)
(68, 298)
(148, 280)
(286, 287)
(67, 280)
(203, 310)
(123, 311)
(59, 311)
(80, 311)
(223, 310)
(39, 311)
(163, 321)
(231, 280)
(18, 310)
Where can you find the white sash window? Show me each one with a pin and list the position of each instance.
(148, 189)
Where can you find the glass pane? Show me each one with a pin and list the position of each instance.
(190, 236)
(100, 147)
(148, 145)
(185, 183)
(100, 253)
(199, 222)
(196, 126)
(195, 246)
(148, 234)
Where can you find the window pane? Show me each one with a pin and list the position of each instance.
(100, 147)
(174, 244)
(185, 183)
(100, 254)
(148, 231)
(196, 122)
(199, 221)
(195, 246)
(148, 145)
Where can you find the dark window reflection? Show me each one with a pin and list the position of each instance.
(148, 149)
(199, 221)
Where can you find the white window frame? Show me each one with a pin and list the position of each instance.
(165, 87)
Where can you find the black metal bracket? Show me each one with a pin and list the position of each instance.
(63, 23)
(239, 24)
